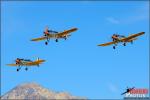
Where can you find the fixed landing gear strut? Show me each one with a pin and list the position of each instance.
(114, 47)
(18, 68)
(46, 43)
(132, 42)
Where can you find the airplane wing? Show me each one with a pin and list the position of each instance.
(132, 36)
(108, 43)
(14, 65)
(64, 33)
(43, 37)
(39, 39)
(124, 93)
(11, 64)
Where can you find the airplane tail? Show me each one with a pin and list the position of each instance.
(37, 59)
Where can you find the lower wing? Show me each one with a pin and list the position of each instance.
(14, 65)
(39, 39)
(44, 37)
(11, 64)
(108, 43)
(132, 36)
(123, 93)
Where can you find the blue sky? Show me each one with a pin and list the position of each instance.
(76, 65)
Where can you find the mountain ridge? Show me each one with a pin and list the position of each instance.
(33, 90)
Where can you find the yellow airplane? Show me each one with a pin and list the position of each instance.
(26, 62)
(118, 38)
(50, 34)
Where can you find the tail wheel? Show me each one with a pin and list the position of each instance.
(46, 43)
(114, 47)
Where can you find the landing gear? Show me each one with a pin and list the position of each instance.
(19, 67)
(17, 70)
(46, 43)
(26, 68)
(114, 47)
(56, 40)
(131, 42)
(65, 37)
(124, 44)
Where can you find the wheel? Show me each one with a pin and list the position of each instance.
(65, 38)
(26, 68)
(114, 47)
(131, 42)
(46, 43)
(124, 44)
(17, 70)
(56, 40)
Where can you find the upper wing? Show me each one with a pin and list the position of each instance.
(132, 36)
(39, 39)
(64, 33)
(11, 64)
(108, 43)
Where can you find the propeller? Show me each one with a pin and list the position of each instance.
(19, 59)
(46, 28)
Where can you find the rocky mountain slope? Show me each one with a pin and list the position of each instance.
(35, 91)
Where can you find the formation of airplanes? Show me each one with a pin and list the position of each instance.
(50, 34)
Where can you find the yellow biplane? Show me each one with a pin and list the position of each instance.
(117, 39)
(26, 62)
(48, 34)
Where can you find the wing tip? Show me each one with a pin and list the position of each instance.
(32, 40)
(99, 45)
